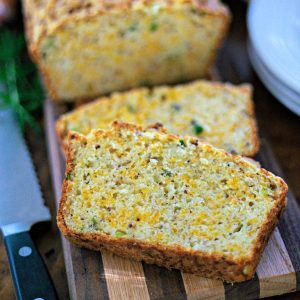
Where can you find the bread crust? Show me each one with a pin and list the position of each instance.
(248, 90)
(215, 265)
(52, 16)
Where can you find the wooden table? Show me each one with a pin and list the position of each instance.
(280, 126)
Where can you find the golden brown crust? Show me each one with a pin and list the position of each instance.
(61, 131)
(250, 109)
(212, 266)
(47, 17)
(215, 265)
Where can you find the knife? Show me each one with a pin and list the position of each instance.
(21, 206)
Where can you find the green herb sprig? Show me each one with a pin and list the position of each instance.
(20, 86)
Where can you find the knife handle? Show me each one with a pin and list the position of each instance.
(28, 270)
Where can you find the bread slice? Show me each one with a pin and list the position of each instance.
(221, 114)
(152, 196)
(88, 48)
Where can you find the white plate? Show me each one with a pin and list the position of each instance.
(261, 68)
(274, 30)
(281, 85)
(274, 87)
(280, 92)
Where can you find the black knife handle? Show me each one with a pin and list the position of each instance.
(28, 270)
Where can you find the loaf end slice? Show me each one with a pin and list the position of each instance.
(221, 114)
(122, 44)
(166, 200)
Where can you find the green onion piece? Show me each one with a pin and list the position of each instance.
(120, 233)
(238, 228)
(182, 143)
(176, 208)
(264, 192)
(94, 221)
(197, 128)
(131, 108)
(167, 173)
(153, 26)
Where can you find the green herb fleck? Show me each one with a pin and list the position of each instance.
(133, 27)
(167, 173)
(94, 222)
(68, 177)
(238, 228)
(48, 44)
(182, 143)
(131, 108)
(264, 192)
(120, 233)
(73, 128)
(176, 208)
(197, 128)
(153, 26)
(176, 107)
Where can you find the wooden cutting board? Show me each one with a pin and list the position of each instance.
(95, 275)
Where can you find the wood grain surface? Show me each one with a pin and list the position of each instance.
(280, 127)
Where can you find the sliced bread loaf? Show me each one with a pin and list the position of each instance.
(176, 202)
(88, 48)
(221, 114)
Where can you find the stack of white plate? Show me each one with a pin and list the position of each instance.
(274, 48)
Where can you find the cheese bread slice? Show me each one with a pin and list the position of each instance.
(171, 201)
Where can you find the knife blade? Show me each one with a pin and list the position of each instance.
(22, 206)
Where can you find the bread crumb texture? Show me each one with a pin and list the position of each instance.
(221, 114)
(96, 47)
(150, 186)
